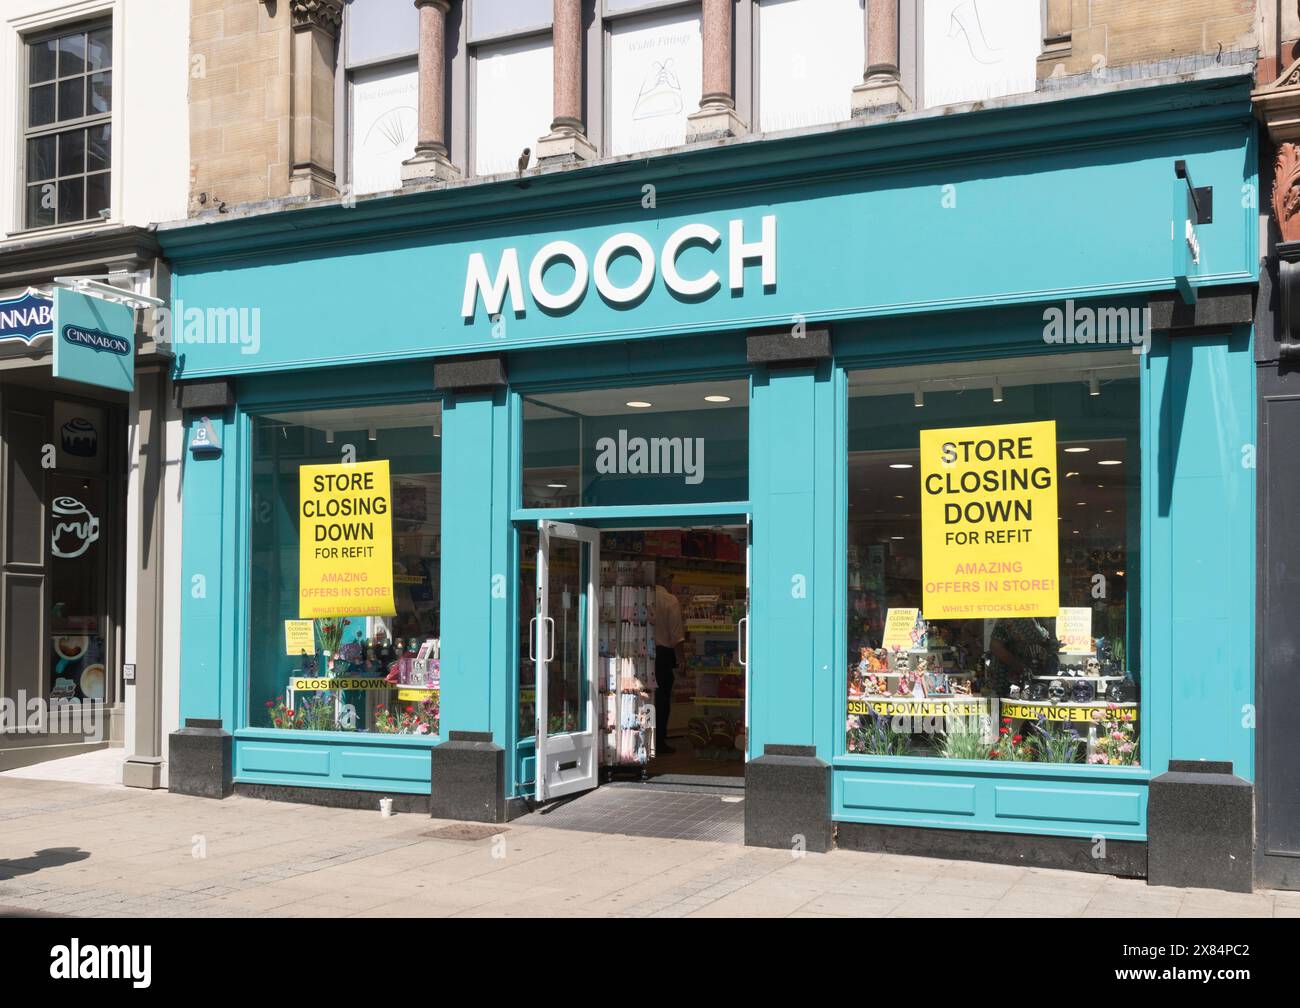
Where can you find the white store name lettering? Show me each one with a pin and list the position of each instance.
(507, 281)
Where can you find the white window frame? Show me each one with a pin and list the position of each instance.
(13, 119)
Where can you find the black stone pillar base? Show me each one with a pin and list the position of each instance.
(467, 778)
(1200, 827)
(788, 800)
(201, 759)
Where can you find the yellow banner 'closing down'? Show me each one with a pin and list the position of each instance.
(989, 521)
(345, 540)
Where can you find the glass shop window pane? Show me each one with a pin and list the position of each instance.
(654, 79)
(381, 29)
(651, 444)
(40, 204)
(42, 61)
(494, 18)
(99, 49)
(513, 84)
(811, 53)
(975, 51)
(349, 673)
(72, 200)
(993, 551)
(40, 105)
(383, 125)
(40, 157)
(72, 54)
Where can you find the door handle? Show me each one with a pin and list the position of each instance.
(532, 638)
(550, 635)
(742, 630)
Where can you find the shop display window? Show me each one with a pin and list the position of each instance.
(329, 533)
(993, 551)
(651, 444)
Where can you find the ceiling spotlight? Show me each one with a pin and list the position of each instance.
(329, 437)
(374, 434)
(917, 398)
(1094, 386)
(1076, 449)
(713, 398)
(1110, 462)
(900, 465)
(1069, 474)
(638, 404)
(997, 390)
(557, 486)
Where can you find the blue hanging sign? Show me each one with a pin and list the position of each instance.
(27, 317)
(95, 340)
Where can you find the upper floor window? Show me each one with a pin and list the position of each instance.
(810, 55)
(974, 50)
(512, 80)
(655, 76)
(67, 134)
(379, 58)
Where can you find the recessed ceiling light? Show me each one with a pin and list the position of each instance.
(558, 486)
(717, 398)
(1069, 474)
(1111, 462)
(1075, 531)
(896, 538)
(1077, 448)
(898, 497)
(1080, 503)
(900, 465)
(639, 404)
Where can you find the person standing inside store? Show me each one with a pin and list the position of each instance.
(670, 654)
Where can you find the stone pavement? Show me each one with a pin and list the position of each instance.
(88, 850)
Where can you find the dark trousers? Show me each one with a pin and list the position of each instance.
(665, 670)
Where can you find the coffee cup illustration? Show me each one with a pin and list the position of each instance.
(74, 528)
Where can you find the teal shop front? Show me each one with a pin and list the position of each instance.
(803, 309)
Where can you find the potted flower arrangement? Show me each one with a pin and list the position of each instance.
(414, 719)
(282, 715)
(1011, 746)
(1116, 741)
(329, 631)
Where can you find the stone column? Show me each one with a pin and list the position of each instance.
(567, 141)
(717, 115)
(881, 91)
(430, 162)
(315, 37)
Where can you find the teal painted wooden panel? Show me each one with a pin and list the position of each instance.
(377, 767)
(468, 534)
(283, 759)
(997, 803)
(203, 654)
(1205, 499)
(908, 795)
(1102, 805)
(846, 247)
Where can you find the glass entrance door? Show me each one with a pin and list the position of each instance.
(564, 654)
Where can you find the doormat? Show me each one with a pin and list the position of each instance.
(466, 831)
(648, 812)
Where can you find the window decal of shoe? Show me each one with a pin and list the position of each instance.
(965, 21)
(661, 93)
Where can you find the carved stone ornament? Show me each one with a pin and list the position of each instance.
(326, 14)
(1286, 191)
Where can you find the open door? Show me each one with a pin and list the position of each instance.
(564, 651)
(742, 628)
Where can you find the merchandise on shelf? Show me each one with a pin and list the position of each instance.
(626, 645)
